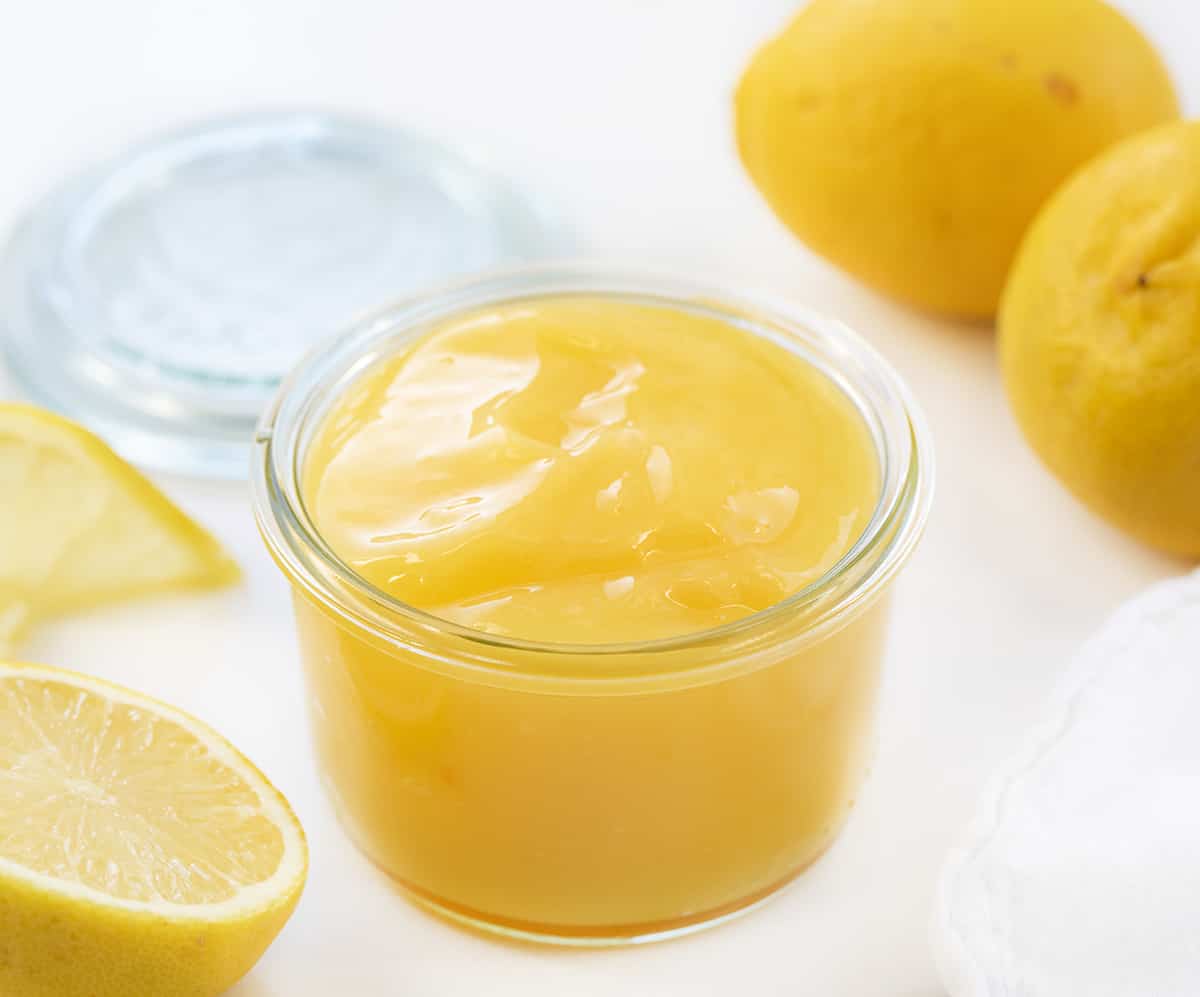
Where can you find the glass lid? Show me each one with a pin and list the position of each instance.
(160, 298)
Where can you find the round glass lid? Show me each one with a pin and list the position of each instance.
(160, 298)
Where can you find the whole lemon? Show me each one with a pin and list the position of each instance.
(1100, 336)
(911, 142)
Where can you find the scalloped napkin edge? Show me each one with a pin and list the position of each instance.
(1080, 871)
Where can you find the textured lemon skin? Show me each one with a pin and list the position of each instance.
(56, 944)
(51, 946)
(911, 142)
(1100, 336)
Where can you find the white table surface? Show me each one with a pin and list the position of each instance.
(619, 111)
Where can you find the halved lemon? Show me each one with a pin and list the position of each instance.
(80, 527)
(140, 853)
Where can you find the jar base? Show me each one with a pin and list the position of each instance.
(597, 936)
(493, 926)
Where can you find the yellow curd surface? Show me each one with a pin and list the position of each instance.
(589, 470)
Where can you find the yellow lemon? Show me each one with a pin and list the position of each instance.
(140, 853)
(1100, 336)
(911, 142)
(80, 527)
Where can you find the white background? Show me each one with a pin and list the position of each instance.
(619, 111)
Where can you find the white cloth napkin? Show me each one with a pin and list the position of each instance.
(1080, 874)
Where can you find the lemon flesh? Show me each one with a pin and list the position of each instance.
(911, 142)
(139, 852)
(79, 527)
(1100, 336)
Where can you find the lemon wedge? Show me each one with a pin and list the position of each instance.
(80, 527)
(140, 853)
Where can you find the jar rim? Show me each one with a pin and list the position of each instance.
(898, 428)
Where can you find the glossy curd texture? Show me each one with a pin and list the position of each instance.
(586, 470)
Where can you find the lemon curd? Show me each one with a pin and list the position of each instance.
(584, 471)
(588, 597)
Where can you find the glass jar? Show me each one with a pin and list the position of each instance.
(593, 794)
